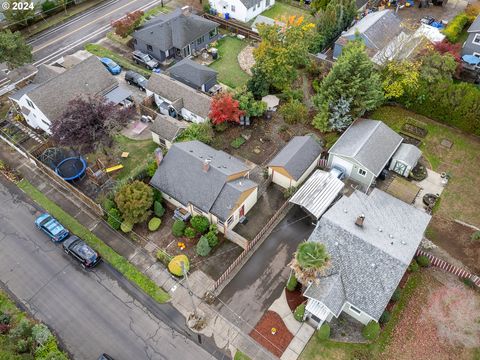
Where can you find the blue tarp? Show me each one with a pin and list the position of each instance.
(471, 59)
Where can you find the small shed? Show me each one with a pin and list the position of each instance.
(405, 159)
(166, 129)
(292, 165)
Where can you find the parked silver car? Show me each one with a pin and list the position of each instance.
(145, 60)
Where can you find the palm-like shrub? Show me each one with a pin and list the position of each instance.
(310, 260)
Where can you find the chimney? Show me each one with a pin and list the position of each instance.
(359, 221)
(206, 165)
(186, 10)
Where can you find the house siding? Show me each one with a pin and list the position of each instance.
(249, 202)
(241, 13)
(351, 166)
(190, 116)
(155, 52)
(363, 317)
(469, 48)
(281, 177)
(36, 118)
(156, 140)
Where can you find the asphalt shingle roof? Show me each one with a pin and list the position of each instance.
(408, 153)
(175, 29)
(192, 72)
(181, 175)
(87, 78)
(167, 127)
(372, 259)
(369, 142)
(297, 156)
(174, 90)
(475, 27)
(250, 3)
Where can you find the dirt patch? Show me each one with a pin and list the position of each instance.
(246, 59)
(456, 240)
(441, 321)
(262, 333)
(295, 298)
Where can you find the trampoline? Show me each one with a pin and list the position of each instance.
(71, 168)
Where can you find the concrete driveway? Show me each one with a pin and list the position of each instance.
(91, 311)
(263, 277)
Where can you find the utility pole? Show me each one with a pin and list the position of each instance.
(185, 276)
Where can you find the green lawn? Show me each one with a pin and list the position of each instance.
(461, 197)
(240, 356)
(229, 71)
(108, 254)
(327, 349)
(281, 10)
(125, 63)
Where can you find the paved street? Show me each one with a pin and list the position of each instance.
(92, 311)
(86, 27)
(262, 279)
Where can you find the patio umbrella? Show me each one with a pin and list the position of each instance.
(471, 59)
(272, 101)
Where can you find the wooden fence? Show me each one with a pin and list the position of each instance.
(442, 264)
(234, 27)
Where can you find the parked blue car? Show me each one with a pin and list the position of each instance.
(111, 66)
(50, 226)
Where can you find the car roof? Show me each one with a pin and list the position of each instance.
(70, 240)
(85, 251)
(53, 226)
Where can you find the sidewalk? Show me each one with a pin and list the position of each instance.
(225, 334)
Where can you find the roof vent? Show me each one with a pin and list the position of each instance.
(360, 220)
(380, 229)
(373, 265)
(390, 236)
(391, 243)
(336, 243)
(206, 165)
(404, 242)
(345, 211)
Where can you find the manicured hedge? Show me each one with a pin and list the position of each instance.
(455, 27)
(324, 332)
(292, 282)
(371, 330)
(299, 312)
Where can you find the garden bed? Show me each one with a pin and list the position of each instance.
(295, 298)
(414, 130)
(262, 333)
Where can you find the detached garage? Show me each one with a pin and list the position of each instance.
(292, 165)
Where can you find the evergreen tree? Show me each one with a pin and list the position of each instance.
(13, 49)
(340, 117)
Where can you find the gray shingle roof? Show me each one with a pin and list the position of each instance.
(167, 127)
(297, 156)
(175, 29)
(372, 259)
(408, 153)
(475, 27)
(377, 29)
(181, 175)
(87, 78)
(250, 3)
(369, 142)
(192, 72)
(173, 90)
(329, 291)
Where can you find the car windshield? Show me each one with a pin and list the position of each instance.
(54, 227)
(110, 63)
(141, 79)
(147, 58)
(86, 252)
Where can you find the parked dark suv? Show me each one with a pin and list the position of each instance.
(81, 251)
(133, 78)
(145, 60)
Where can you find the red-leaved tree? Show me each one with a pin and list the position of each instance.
(446, 47)
(125, 26)
(90, 123)
(225, 108)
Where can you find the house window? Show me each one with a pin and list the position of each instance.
(200, 40)
(220, 223)
(354, 309)
(362, 172)
(149, 48)
(197, 210)
(46, 123)
(476, 54)
(30, 104)
(213, 33)
(267, 3)
(230, 220)
(232, 8)
(476, 39)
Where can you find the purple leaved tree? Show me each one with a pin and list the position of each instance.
(90, 123)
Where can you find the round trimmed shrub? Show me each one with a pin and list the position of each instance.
(385, 318)
(203, 248)
(423, 261)
(292, 282)
(213, 228)
(126, 226)
(212, 239)
(158, 209)
(154, 224)
(413, 266)
(114, 218)
(299, 312)
(371, 330)
(175, 265)
(324, 332)
(157, 195)
(178, 228)
(396, 295)
(190, 232)
(200, 223)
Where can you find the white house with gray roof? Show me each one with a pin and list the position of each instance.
(47, 97)
(371, 240)
(364, 150)
(203, 181)
(174, 98)
(242, 10)
(292, 165)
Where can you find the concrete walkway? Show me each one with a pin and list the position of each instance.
(218, 331)
(302, 332)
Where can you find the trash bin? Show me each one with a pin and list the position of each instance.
(227, 16)
(214, 53)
